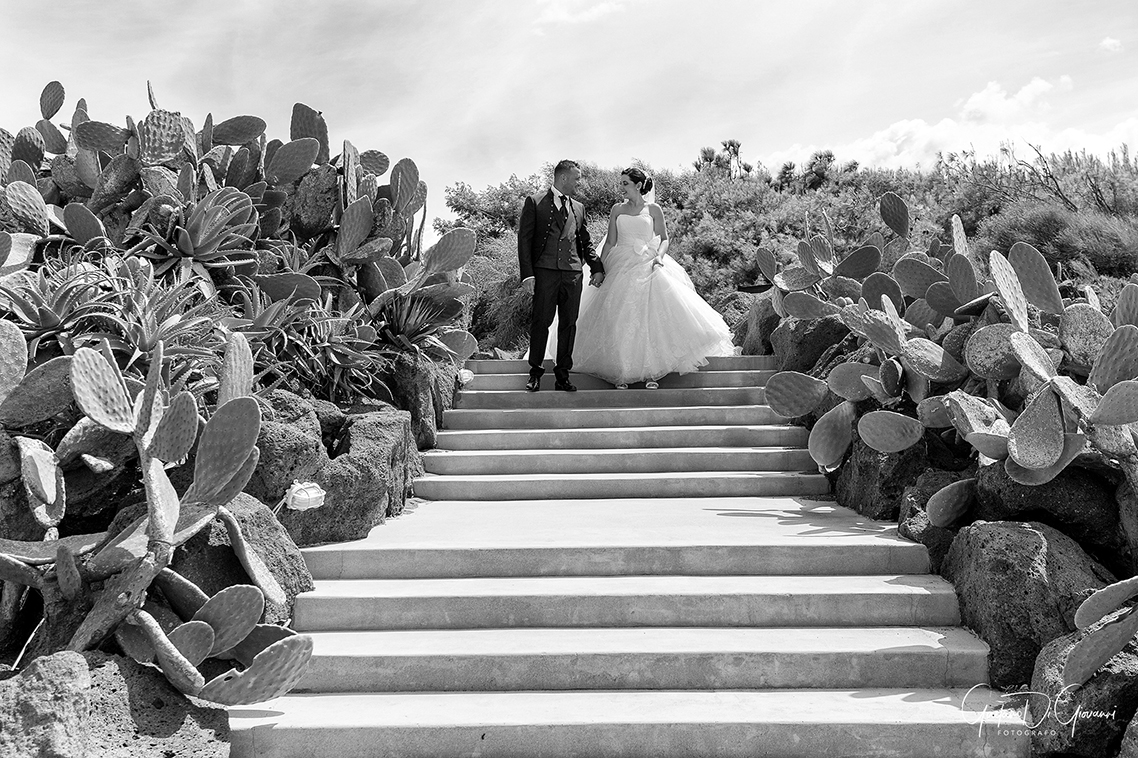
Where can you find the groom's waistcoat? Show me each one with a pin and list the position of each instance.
(558, 247)
(547, 243)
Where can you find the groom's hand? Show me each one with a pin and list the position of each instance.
(597, 279)
(527, 285)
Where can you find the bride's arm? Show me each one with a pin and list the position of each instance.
(661, 231)
(610, 238)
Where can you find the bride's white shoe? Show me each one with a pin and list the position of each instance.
(622, 386)
(651, 385)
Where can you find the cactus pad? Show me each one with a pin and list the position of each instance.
(257, 640)
(1083, 330)
(181, 673)
(13, 358)
(53, 140)
(28, 147)
(831, 436)
(307, 122)
(43, 481)
(791, 394)
(1119, 405)
(992, 444)
(1035, 278)
(27, 206)
(794, 278)
(1126, 308)
(895, 214)
(185, 597)
(932, 361)
(238, 130)
(889, 432)
(292, 161)
(767, 263)
(1118, 360)
(252, 563)
(287, 285)
(232, 613)
(134, 643)
(274, 671)
(915, 276)
(989, 354)
(1100, 644)
(160, 137)
(175, 434)
(933, 413)
(806, 306)
(1036, 438)
(43, 393)
(99, 391)
(860, 263)
(453, 250)
(355, 225)
(224, 446)
(823, 254)
(951, 503)
(942, 299)
(845, 380)
(374, 162)
(194, 640)
(1032, 356)
(1105, 601)
(962, 278)
(884, 332)
(890, 375)
(51, 99)
(971, 414)
(921, 315)
(878, 284)
(82, 225)
(1011, 294)
(236, 370)
(98, 136)
(462, 343)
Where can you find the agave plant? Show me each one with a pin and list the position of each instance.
(51, 306)
(216, 232)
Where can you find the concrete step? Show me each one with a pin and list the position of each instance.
(659, 484)
(663, 397)
(588, 418)
(644, 659)
(607, 601)
(901, 723)
(585, 382)
(717, 363)
(751, 435)
(637, 536)
(629, 460)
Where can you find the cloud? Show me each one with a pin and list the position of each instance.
(987, 120)
(1111, 45)
(993, 104)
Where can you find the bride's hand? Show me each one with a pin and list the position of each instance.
(658, 261)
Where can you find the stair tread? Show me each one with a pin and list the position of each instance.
(479, 709)
(447, 433)
(617, 640)
(644, 522)
(632, 586)
(639, 475)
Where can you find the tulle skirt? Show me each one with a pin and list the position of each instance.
(645, 322)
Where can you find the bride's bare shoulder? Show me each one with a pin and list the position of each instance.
(616, 208)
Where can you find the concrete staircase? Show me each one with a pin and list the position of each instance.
(629, 573)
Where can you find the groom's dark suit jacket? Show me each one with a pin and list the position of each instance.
(540, 230)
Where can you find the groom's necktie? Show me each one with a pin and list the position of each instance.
(565, 230)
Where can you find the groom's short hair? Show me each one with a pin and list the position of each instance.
(563, 167)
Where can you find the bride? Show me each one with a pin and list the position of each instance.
(646, 320)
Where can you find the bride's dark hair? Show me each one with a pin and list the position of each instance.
(639, 177)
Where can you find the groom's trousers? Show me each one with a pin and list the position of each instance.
(558, 292)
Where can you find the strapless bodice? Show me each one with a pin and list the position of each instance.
(636, 230)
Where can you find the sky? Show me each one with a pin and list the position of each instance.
(477, 90)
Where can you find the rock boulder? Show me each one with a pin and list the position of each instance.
(873, 483)
(1019, 585)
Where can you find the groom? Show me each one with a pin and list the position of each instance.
(552, 242)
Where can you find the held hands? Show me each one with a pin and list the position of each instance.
(658, 261)
(527, 285)
(597, 279)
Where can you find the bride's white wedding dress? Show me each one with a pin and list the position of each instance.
(644, 321)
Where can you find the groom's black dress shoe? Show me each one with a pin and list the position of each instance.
(565, 386)
(534, 384)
